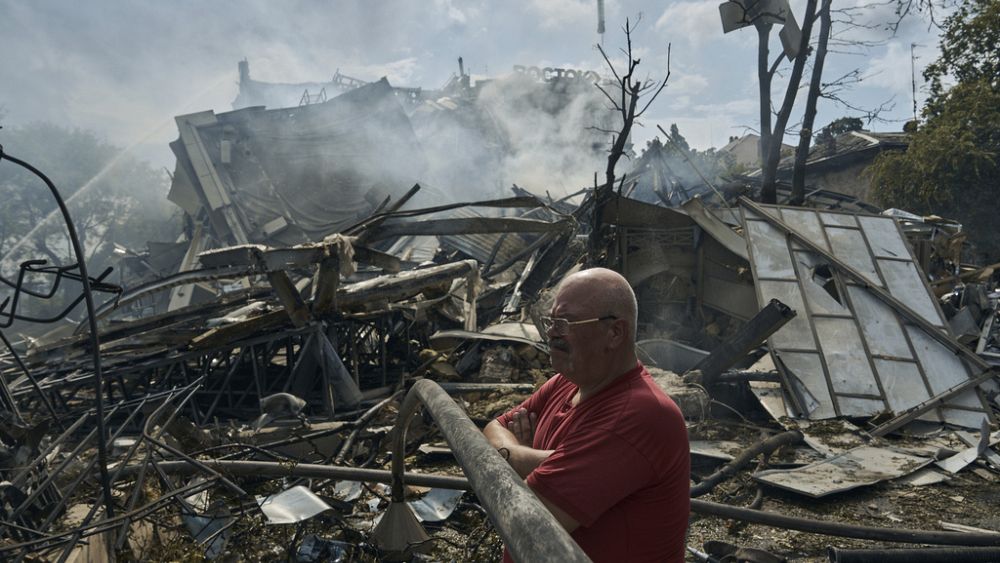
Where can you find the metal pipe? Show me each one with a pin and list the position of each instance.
(57, 510)
(95, 343)
(51, 477)
(197, 463)
(34, 383)
(285, 469)
(137, 488)
(915, 555)
(360, 425)
(529, 531)
(900, 535)
(58, 538)
(453, 387)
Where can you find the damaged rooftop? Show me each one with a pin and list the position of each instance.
(284, 345)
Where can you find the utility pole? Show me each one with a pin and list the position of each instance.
(600, 19)
(913, 79)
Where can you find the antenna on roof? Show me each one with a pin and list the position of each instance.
(913, 78)
(600, 19)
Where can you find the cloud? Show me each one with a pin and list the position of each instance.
(451, 12)
(696, 22)
(121, 68)
(554, 14)
(891, 70)
(731, 107)
(399, 73)
(686, 84)
(704, 125)
(864, 21)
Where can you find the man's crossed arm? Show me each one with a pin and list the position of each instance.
(517, 438)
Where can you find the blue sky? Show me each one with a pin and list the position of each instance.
(125, 69)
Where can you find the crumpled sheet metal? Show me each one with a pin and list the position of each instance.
(437, 505)
(857, 467)
(290, 506)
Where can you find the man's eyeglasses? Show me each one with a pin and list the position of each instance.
(560, 327)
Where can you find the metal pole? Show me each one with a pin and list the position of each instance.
(313, 470)
(527, 528)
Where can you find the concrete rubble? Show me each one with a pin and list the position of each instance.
(251, 380)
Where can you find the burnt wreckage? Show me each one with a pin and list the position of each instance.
(332, 280)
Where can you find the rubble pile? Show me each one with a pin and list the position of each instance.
(259, 394)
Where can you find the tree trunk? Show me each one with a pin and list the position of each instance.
(773, 151)
(805, 136)
(598, 234)
(767, 193)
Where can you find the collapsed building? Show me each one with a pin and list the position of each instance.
(357, 243)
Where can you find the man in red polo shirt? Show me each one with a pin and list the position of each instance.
(599, 443)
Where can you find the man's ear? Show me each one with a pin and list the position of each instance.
(619, 332)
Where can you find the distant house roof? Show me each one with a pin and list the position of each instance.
(745, 149)
(738, 141)
(849, 147)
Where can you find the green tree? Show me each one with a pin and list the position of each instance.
(839, 126)
(952, 165)
(678, 140)
(112, 199)
(696, 166)
(970, 50)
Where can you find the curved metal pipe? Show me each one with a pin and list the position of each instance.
(915, 555)
(843, 530)
(527, 528)
(95, 342)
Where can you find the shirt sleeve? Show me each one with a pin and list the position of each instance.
(590, 473)
(533, 403)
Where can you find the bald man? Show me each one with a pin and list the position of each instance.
(599, 443)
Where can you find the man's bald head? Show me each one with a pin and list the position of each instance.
(607, 292)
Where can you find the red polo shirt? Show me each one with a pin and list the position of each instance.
(621, 466)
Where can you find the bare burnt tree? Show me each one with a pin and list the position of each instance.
(625, 101)
(932, 8)
(847, 19)
(809, 117)
(771, 136)
(775, 120)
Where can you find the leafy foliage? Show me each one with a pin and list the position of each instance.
(684, 161)
(952, 166)
(678, 140)
(839, 126)
(111, 198)
(970, 50)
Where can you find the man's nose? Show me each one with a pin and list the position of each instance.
(550, 332)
